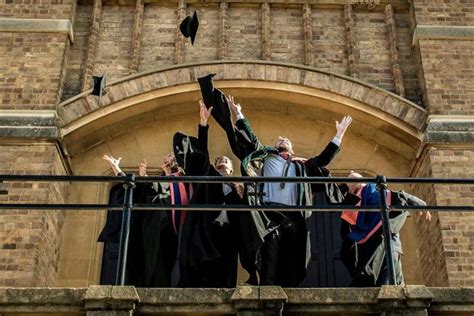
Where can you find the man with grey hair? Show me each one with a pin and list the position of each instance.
(363, 250)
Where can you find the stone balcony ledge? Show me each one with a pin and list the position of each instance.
(244, 300)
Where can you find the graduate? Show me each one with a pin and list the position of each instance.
(154, 235)
(276, 243)
(363, 249)
(210, 240)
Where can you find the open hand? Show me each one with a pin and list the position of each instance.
(342, 127)
(204, 113)
(113, 163)
(142, 168)
(426, 214)
(236, 107)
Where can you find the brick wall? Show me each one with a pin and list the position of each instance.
(442, 12)
(446, 244)
(206, 44)
(114, 46)
(37, 9)
(448, 68)
(457, 228)
(447, 81)
(329, 40)
(245, 36)
(30, 239)
(158, 36)
(372, 46)
(430, 241)
(287, 43)
(31, 66)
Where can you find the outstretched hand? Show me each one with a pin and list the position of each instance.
(204, 113)
(142, 168)
(236, 107)
(426, 214)
(113, 163)
(342, 127)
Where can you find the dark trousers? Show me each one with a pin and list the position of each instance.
(280, 250)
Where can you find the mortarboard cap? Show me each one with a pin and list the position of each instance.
(99, 85)
(189, 26)
(187, 151)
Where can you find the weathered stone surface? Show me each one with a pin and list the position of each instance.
(104, 300)
(446, 130)
(270, 72)
(111, 297)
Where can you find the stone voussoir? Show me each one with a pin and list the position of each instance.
(269, 71)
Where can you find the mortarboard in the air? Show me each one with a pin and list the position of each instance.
(187, 151)
(189, 26)
(99, 86)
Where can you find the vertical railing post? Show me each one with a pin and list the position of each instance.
(129, 185)
(382, 188)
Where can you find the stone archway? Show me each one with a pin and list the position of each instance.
(171, 85)
(140, 113)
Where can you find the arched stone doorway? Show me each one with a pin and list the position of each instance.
(140, 114)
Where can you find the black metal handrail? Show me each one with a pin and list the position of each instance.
(218, 179)
(234, 207)
(130, 181)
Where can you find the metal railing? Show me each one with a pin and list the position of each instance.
(129, 182)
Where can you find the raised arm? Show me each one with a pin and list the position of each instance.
(246, 140)
(328, 154)
(114, 164)
(203, 128)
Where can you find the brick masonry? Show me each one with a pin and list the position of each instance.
(40, 69)
(448, 68)
(245, 40)
(29, 239)
(38, 9)
(440, 12)
(158, 39)
(447, 81)
(114, 44)
(32, 64)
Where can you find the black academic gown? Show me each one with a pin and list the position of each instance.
(209, 250)
(110, 234)
(356, 257)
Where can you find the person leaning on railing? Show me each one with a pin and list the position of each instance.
(210, 240)
(279, 240)
(363, 249)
